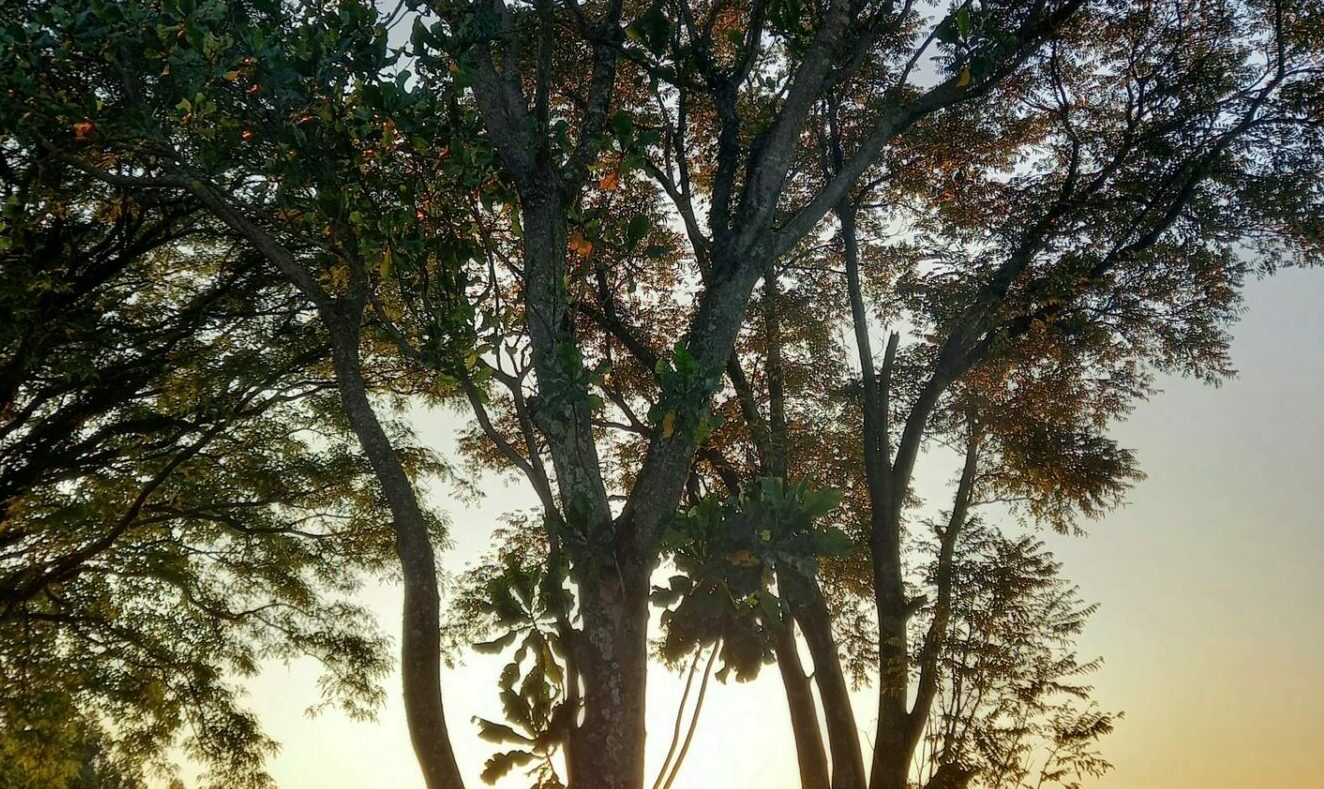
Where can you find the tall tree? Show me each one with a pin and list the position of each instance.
(1074, 216)
(562, 213)
(287, 126)
(179, 494)
(566, 95)
(1090, 222)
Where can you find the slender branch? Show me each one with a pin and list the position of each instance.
(694, 719)
(680, 717)
(927, 686)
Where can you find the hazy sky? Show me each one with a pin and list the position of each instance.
(1211, 582)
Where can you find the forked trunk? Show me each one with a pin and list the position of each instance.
(843, 737)
(810, 756)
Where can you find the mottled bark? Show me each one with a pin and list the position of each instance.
(611, 651)
(612, 655)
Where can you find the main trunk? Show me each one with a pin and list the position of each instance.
(613, 659)
(611, 652)
(892, 741)
(420, 647)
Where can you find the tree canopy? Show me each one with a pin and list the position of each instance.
(713, 278)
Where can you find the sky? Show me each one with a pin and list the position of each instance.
(1210, 580)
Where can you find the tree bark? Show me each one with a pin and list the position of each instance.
(420, 653)
(891, 756)
(612, 652)
(843, 735)
(810, 756)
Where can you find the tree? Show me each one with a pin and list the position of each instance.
(256, 114)
(1099, 228)
(1012, 707)
(555, 126)
(560, 213)
(1122, 249)
(178, 498)
(84, 761)
(1081, 198)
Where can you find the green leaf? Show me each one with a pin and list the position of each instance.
(817, 503)
(832, 542)
(652, 29)
(963, 24)
(636, 230)
(947, 31)
(491, 731)
(623, 125)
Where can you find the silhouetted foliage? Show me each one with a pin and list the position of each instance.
(650, 248)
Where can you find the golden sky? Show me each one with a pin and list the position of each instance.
(1211, 583)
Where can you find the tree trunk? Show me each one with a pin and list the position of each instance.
(613, 659)
(843, 736)
(804, 715)
(420, 649)
(887, 489)
(814, 770)
(891, 758)
(612, 650)
(892, 741)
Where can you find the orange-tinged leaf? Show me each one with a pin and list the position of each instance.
(83, 129)
(610, 181)
(742, 558)
(579, 245)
